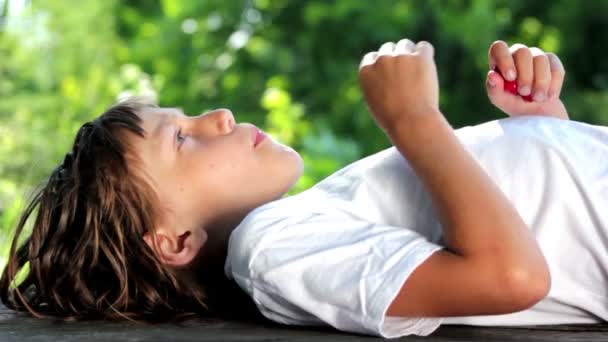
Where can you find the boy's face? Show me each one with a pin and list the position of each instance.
(207, 166)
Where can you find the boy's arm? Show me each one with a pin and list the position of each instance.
(492, 263)
(525, 81)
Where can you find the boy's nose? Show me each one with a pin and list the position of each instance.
(224, 120)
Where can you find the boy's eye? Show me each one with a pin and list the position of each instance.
(180, 138)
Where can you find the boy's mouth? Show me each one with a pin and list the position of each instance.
(258, 136)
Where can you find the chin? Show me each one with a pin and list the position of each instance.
(298, 165)
(292, 170)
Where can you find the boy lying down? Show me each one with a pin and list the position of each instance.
(154, 214)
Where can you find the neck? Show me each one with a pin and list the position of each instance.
(214, 253)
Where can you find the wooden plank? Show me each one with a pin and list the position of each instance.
(20, 327)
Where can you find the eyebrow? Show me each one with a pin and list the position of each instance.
(162, 123)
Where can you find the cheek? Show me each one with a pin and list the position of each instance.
(215, 174)
(224, 169)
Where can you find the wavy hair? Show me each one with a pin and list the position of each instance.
(86, 257)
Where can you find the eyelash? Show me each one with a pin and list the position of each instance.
(180, 138)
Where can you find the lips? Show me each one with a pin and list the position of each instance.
(258, 136)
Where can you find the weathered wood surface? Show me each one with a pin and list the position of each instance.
(19, 327)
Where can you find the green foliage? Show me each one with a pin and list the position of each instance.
(288, 66)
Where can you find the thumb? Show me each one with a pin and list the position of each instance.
(494, 83)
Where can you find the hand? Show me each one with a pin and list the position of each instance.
(399, 82)
(525, 81)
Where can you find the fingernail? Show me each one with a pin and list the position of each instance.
(511, 75)
(539, 97)
(491, 83)
(525, 90)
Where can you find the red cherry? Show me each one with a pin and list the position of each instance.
(511, 87)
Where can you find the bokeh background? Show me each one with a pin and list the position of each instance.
(289, 66)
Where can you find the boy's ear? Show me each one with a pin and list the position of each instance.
(176, 248)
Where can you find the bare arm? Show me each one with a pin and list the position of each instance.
(492, 264)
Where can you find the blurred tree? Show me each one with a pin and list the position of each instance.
(288, 66)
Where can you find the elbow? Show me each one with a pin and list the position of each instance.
(526, 286)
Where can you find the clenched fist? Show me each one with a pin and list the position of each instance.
(400, 83)
(525, 81)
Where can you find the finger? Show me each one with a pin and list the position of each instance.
(404, 46)
(500, 56)
(425, 48)
(522, 57)
(498, 97)
(387, 48)
(368, 59)
(558, 74)
(494, 84)
(542, 75)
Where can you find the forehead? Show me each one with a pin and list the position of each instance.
(154, 119)
(156, 123)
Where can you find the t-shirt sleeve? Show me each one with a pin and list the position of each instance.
(338, 271)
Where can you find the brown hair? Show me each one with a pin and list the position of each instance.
(86, 257)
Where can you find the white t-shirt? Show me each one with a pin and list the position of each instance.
(339, 252)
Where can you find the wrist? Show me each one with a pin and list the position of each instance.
(417, 128)
(561, 111)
